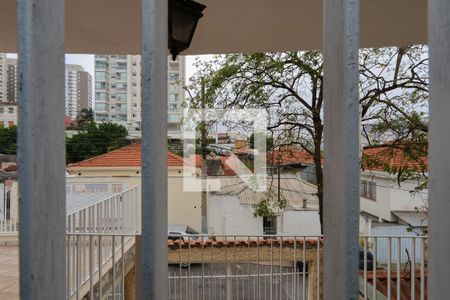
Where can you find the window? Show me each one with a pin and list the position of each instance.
(2, 110)
(10, 123)
(270, 225)
(101, 65)
(101, 96)
(2, 124)
(173, 76)
(368, 190)
(121, 86)
(101, 107)
(121, 66)
(121, 96)
(99, 75)
(11, 110)
(101, 85)
(121, 76)
(173, 88)
(174, 119)
(173, 107)
(173, 97)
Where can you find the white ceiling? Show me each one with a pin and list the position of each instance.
(113, 26)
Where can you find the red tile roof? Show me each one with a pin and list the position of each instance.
(129, 156)
(287, 155)
(231, 242)
(391, 159)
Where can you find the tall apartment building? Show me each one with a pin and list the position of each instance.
(8, 79)
(2, 77)
(118, 91)
(78, 92)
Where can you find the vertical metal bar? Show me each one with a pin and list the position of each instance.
(399, 242)
(113, 250)
(100, 263)
(304, 269)
(422, 269)
(271, 267)
(40, 37)
(439, 145)
(257, 266)
(203, 267)
(365, 268)
(91, 268)
(77, 266)
(154, 149)
(341, 145)
(389, 268)
(68, 275)
(122, 243)
(248, 266)
(374, 272)
(413, 269)
(318, 268)
(281, 268)
(295, 268)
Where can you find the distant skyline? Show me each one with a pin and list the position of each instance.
(87, 61)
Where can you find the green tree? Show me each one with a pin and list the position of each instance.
(95, 140)
(8, 140)
(84, 118)
(269, 142)
(289, 85)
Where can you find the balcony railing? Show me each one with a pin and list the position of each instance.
(247, 267)
(117, 214)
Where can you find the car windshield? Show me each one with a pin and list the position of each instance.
(190, 230)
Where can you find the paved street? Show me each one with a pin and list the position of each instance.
(242, 280)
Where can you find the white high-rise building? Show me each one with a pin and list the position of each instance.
(78, 90)
(3, 77)
(8, 79)
(118, 91)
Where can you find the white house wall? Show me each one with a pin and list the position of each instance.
(226, 215)
(302, 222)
(390, 197)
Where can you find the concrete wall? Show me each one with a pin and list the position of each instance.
(226, 215)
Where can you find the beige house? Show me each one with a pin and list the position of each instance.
(124, 165)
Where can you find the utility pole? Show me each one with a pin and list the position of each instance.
(203, 146)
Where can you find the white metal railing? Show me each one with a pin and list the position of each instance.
(222, 272)
(245, 267)
(96, 265)
(115, 214)
(9, 226)
(8, 210)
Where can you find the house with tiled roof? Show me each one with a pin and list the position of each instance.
(388, 202)
(124, 165)
(385, 199)
(122, 162)
(231, 208)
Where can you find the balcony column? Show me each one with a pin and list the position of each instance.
(341, 145)
(439, 149)
(41, 149)
(153, 270)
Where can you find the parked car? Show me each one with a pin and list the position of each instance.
(181, 232)
(184, 232)
(369, 260)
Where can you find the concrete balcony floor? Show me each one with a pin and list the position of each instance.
(9, 272)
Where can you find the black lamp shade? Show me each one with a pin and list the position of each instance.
(183, 19)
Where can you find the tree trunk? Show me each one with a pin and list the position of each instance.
(318, 127)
